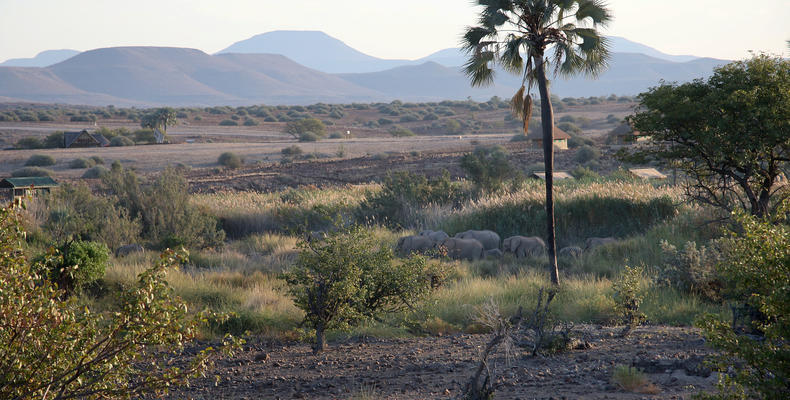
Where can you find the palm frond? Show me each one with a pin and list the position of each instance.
(473, 36)
(595, 10)
(478, 69)
(517, 102)
(511, 59)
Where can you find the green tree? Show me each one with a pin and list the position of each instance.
(531, 37)
(756, 272)
(159, 119)
(306, 125)
(729, 134)
(350, 277)
(487, 167)
(53, 347)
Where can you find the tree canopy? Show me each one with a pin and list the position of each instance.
(729, 134)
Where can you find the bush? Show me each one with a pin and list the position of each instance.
(29, 143)
(230, 160)
(585, 173)
(120, 141)
(628, 296)
(144, 136)
(308, 137)
(349, 277)
(692, 269)
(77, 264)
(401, 132)
(519, 137)
(403, 194)
(54, 140)
(487, 167)
(76, 353)
(96, 172)
(292, 150)
(164, 209)
(31, 171)
(40, 160)
(251, 122)
(80, 163)
(586, 153)
(336, 135)
(228, 122)
(305, 125)
(756, 274)
(97, 160)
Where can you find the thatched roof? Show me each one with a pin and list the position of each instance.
(558, 175)
(26, 182)
(70, 137)
(559, 134)
(647, 173)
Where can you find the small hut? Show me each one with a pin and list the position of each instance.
(647, 173)
(558, 175)
(18, 188)
(84, 139)
(560, 139)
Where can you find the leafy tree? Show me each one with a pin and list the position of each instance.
(529, 37)
(77, 264)
(306, 125)
(53, 347)
(756, 272)
(349, 277)
(159, 119)
(729, 134)
(487, 167)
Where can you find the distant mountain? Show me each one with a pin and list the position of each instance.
(43, 59)
(623, 45)
(135, 76)
(313, 49)
(176, 76)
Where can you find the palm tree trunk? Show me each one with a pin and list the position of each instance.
(547, 122)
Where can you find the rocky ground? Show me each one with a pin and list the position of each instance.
(439, 367)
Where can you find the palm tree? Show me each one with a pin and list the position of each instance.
(528, 37)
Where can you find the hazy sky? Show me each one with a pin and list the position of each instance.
(407, 29)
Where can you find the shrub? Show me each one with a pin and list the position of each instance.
(692, 269)
(54, 140)
(631, 379)
(403, 194)
(305, 125)
(336, 135)
(487, 167)
(40, 160)
(97, 160)
(80, 163)
(251, 122)
(756, 273)
(164, 210)
(586, 153)
(144, 136)
(31, 171)
(230, 160)
(228, 122)
(96, 172)
(77, 264)
(292, 150)
(585, 173)
(120, 141)
(628, 297)
(519, 137)
(29, 143)
(349, 277)
(76, 353)
(308, 137)
(398, 131)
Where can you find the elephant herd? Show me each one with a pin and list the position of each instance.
(476, 245)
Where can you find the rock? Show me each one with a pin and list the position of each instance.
(125, 250)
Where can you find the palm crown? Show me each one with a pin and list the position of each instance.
(517, 33)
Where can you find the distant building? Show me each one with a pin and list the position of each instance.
(560, 139)
(625, 134)
(558, 175)
(84, 139)
(14, 189)
(647, 173)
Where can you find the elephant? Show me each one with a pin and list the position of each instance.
(523, 246)
(457, 248)
(489, 239)
(572, 252)
(594, 242)
(125, 250)
(414, 244)
(493, 253)
(436, 236)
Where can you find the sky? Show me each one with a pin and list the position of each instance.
(401, 29)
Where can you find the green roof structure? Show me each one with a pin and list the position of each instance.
(26, 182)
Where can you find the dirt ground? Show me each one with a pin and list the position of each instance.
(439, 367)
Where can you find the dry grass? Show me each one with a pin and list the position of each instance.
(631, 379)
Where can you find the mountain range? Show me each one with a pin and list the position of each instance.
(301, 67)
